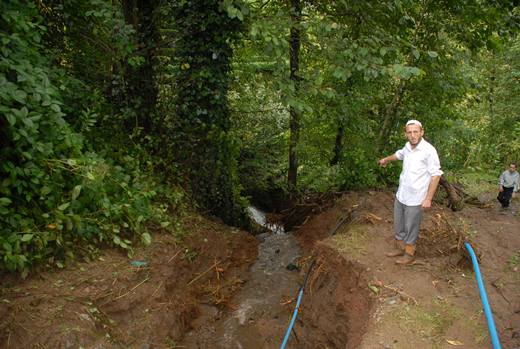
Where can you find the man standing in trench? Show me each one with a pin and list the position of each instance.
(417, 185)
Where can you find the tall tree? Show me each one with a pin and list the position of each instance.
(294, 123)
(203, 50)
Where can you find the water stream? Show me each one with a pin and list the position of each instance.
(259, 217)
(259, 319)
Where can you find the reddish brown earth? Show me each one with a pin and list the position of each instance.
(355, 296)
(107, 303)
(434, 303)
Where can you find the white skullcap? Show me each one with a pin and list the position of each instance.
(414, 122)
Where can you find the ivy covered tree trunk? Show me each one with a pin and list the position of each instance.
(294, 123)
(206, 147)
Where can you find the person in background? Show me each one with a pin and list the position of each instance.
(509, 180)
(417, 184)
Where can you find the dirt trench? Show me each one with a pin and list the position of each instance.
(334, 309)
(185, 287)
(109, 303)
(358, 298)
(337, 305)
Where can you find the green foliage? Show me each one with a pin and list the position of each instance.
(476, 181)
(260, 122)
(96, 95)
(359, 170)
(56, 199)
(91, 48)
(487, 136)
(362, 76)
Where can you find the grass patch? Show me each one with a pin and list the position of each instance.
(478, 327)
(476, 183)
(514, 260)
(351, 239)
(430, 321)
(513, 267)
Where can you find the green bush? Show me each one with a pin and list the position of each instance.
(56, 199)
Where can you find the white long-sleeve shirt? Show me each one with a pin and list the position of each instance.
(419, 166)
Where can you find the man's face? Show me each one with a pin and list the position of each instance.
(512, 168)
(414, 134)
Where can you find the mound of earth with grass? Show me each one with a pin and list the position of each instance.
(433, 303)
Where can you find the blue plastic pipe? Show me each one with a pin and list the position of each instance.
(483, 297)
(295, 314)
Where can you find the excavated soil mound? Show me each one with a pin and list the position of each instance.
(108, 303)
(433, 303)
(440, 233)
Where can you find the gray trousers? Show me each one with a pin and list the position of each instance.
(407, 220)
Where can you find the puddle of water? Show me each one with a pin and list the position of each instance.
(260, 317)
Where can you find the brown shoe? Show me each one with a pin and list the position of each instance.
(398, 249)
(408, 257)
(395, 253)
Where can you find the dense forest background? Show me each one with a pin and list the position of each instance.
(116, 116)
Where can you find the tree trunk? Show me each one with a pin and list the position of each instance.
(140, 83)
(201, 137)
(390, 116)
(338, 145)
(294, 123)
(491, 92)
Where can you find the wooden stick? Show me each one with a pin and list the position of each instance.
(175, 255)
(198, 277)
(217, 271)
(157, 289)
(401, 293)
(136, 286)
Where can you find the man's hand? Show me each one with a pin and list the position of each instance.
(385, 161)
(427, 203)
(501, 189)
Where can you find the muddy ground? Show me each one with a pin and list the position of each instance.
(435, 302)
(355, 296)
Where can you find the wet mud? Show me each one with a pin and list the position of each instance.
(260, 309)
